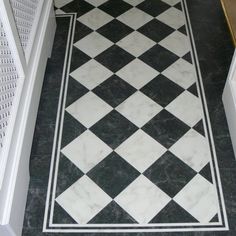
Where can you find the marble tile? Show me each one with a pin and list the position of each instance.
(83, 194)
(95, 19)
(93, 44)
(96, 3)
(137, 73)
(139, 199)
(177, 43)
(134, 2)
(139, 109)
(59, 11)
(171, 2)
(172, 17)
(140, 150)
(61, 3)
(79, 151)
(89, 109)
(187, 108)
(91, 74)
(199, 198)
(192, 149)
(134, 18)
(136, 43)
(181, 72)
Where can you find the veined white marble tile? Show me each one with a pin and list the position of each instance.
(135, 18)
(91, 74)
(177, 43)
(137, 73)
(199, 198)
(89, 109)
(86, 151)
(95, 18)
(93, 44)
(139, 109)
(83, 200)
(172, 17)
(59, 11)
(142, 199)
(181, 72)
(141, 150)
(171, 2)
(96, 3)
(136, 43)
(192, 149)
(134, 2)
(61, 3)
(187, 107)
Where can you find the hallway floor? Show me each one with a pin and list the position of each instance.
(131, 135)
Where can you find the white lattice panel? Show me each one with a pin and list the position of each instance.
(8, 83)
(24, 12)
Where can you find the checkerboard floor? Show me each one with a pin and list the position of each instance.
(135, 149)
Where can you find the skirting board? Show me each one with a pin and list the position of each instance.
(16, 179)
(229, 101)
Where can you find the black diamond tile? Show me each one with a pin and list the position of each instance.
(78, 58)
(153, 7)
(81, 31)
(113, 174)
(115, 30)
(113, 129)
(199, 128)
(170, 174)
(60, 216)
(114, 90)
(182, 29)
(193, 89)
(114, 58)
(162, 90)
(68, 174)
(165, 128)
(173, 213)
(75, 90)
(178, 6)
(115, 8)
(206, 172)
(159, 58)
(80, 7)
(156, 30)
(187, 57)
(71, 129)
(112, 214)
(215, 218)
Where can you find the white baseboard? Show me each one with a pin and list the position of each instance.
(13, 194)
(229, 101)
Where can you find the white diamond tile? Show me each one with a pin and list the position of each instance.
(177, 43)
(93, 44)
(137, 73)
(83, 200)
(193, 149)
(142, 199)
(187, 107)
(172, 17)
(89, 109)
(61, 3)
(171, 2)
(139, 109)
(91, 74)
(86, 151)
(95, 19)
(59, 11)
(181, 72)
(135, 18)
(141, 150)
(199, 198)
(96, 3)
(136, 43)
(134, 2)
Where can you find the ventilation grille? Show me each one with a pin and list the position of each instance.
(24, 12)
(8, 83)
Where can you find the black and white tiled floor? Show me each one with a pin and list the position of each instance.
(133, 149)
